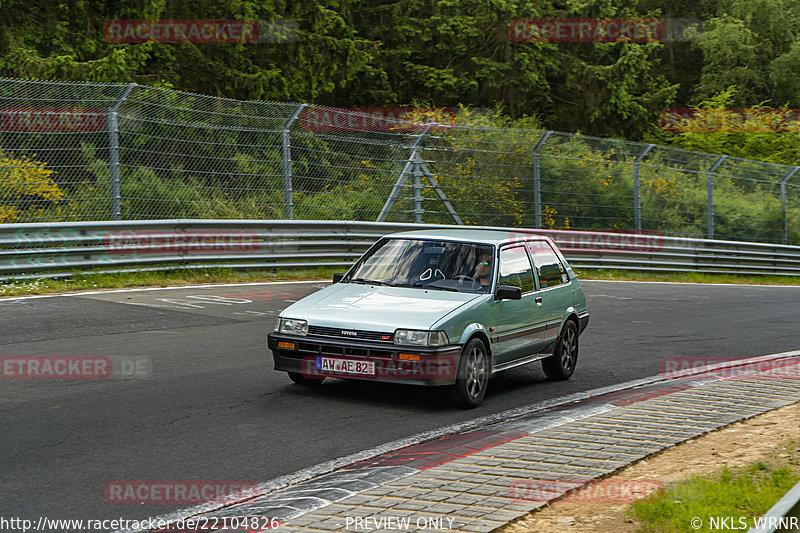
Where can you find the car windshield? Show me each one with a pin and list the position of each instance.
(443, 265)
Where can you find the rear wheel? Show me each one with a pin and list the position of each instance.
(300, 379)
(472, 376)
(561, 364)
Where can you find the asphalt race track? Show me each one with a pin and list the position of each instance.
(193, 395)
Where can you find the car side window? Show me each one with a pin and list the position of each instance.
(515, 269)
(549, 267)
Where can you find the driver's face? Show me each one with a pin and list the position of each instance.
(485, 266)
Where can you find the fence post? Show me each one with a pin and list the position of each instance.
(785, 229)
(637, 197)
(537, 180)
(710, 186)
(416, 193)
(286, 150)
(113, 151)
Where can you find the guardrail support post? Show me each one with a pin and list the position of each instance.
(710, 180)
(288, 208)
(785, 229)
(113, 152)
(537, 180)
(637, 197)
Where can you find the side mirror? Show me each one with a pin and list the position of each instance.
(507, 292)
(337, 278)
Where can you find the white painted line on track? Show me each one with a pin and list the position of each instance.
(690, 283)
(247, 284)
(145, 289)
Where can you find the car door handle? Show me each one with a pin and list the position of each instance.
(538, 301)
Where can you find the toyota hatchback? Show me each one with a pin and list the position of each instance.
(448, 307)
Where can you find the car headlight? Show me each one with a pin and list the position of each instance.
(412, 337)
(293, 326)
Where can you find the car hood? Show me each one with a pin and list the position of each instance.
(377, 308)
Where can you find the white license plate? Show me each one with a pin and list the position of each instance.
(346, 366)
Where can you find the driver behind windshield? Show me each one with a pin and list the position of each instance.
(483, 272)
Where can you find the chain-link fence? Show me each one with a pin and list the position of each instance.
(73, 152)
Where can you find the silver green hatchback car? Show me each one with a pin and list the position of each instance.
(446, 307)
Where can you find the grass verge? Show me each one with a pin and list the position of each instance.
(739, 496)
(160, 278)
(163, 278)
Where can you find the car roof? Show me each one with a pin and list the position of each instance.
(484, 236)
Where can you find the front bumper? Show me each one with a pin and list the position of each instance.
(436, 366)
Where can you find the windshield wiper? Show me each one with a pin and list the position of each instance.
(370, 281)
(429, 286)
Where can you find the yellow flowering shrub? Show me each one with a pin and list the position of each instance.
(26, 187)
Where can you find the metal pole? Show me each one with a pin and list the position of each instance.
(537, 182)
(710, 185)
(288, 209)
(439, 191)
(785, 229)
(410, 166)
(637, 197)
(113, 152)
(416, 194)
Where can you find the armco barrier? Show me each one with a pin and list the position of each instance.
(783, 517)
(61, 249)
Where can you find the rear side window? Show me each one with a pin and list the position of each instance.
(549, 268)
(515, 269)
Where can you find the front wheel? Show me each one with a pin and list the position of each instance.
(561, 364)
(472, 376)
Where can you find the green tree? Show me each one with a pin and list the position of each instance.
(750, 44)
(448, 52)
(43, 39)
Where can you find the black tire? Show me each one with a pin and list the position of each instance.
(300, 379)
(472, 376)
(561, 364)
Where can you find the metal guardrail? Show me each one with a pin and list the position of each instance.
(62, 249)
(783, 517)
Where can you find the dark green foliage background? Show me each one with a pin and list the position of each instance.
(438, 53)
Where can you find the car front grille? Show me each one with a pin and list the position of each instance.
(325, 348)
(341, 333)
